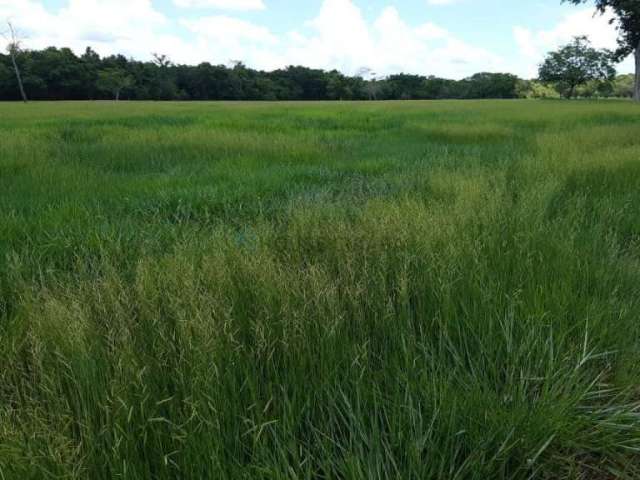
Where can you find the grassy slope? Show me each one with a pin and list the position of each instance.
(398, 290)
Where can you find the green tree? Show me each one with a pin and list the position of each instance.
(338, 86)
(372, 84)
(66, 76)
(541, 91)
(403, 86)
(163, 85)
(114, 80)
(595, 89)
(576, 64)
(628, 17)
(436, 88)
(492, 85)
(623, 86)
(6, 78)
(92, 62)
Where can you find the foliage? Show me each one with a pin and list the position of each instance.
(113, 80)
(58, 74)
(628, 17)
(623, 86)
(375, 290)
(6, 77)
(492, 85)
(536, 90)
(596, 89)
(576, 64)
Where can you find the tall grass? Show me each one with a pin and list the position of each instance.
(385, 290)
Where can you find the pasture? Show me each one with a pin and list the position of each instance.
(406, 290)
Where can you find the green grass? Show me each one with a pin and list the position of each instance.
(437, 290)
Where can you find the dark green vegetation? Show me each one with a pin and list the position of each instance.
(444, 290)
(58, 74)
(627, 13)
(575, 64)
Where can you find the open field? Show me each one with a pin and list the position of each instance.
(416, 290)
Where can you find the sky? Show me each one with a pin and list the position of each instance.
(447, 38)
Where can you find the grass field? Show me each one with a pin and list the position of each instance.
(416, 290)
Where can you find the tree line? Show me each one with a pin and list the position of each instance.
(576, 69)
(60, 74)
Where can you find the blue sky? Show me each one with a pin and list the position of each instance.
(451, 38)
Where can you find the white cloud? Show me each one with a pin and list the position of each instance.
(534, 45)
(228, 29)
(130, 27)
(226, 38)
(339, 36)
(240, 5)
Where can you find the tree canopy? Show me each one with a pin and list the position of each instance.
(576, 64)
(60, 74)
(627, 14)
(113, 80)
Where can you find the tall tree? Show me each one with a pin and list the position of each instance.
(628, 17)
(163, 83)
(492, 85)
(576, 64)
(161, 60)
(114, 80)
(92, 62)
(372, 84)
(14, 47)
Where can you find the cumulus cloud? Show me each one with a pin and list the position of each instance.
(240, 5)
(131, 27)
(226, 38)
(534, 44)
(338, 36)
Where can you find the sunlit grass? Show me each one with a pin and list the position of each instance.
(418, 290)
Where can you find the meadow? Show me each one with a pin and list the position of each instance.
(393, 290)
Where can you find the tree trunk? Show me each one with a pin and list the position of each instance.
(18, 77)
(117, 95)
(636, 94)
